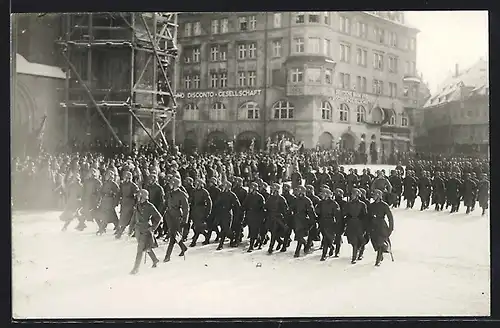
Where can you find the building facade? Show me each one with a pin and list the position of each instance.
(456, 116)
(328, 79)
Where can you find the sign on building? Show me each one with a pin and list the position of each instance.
(219, 94)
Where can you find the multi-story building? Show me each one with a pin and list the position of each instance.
(325, 78)
(456, 116)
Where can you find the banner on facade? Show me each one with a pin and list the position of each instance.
(218, 94)
(351, 97)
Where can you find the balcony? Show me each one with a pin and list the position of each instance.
(310, 90)
(411, 78)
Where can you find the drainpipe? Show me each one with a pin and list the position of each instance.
(266, 84)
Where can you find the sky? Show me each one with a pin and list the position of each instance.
(447, 38)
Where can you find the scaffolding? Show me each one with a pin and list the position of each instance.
(121, 64)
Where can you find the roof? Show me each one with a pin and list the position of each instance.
(25, 67)
(473, 81)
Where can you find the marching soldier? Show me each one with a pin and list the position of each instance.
(214, 192)
(128, 193)
(109, 200)
(366, 222)
(237, 227)
(424, 190)
(304, 217)
(146, 220)
(74, 191)
(483, 193)
(226, 207)
(397, 188)
(290, 200)
(201, 207)
(91, 197)
(157, 198)
(469, 188)
(380, 232)
(314, 231)
(253, 206)
(276, 210)
(340, 223)
(328, 211)
(177, 214)
(410, 188)
(355, 213)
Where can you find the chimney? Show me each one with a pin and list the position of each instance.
(456, 70)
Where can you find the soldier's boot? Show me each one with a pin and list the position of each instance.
(468, 210)
(119, 233)
(137, 263)
(65, 226)
(354, 254)
(170, 248)
(297, 249)
(330, 252)
(207, 236)
(361, 251)
(379, 258)
(250, 248)
(185, 232)
(324, 251)
(337, 250)
(153, 257)
(195, 239)
(183, 248)
(422, 207)
(81, 225)
(436, 208)
(221, 241)
(284, 244)
(271, 244)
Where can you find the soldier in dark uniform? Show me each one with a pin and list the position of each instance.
(188, 188)
(74, 191)
(157, 198)
(397, 188)
(214, 192)
(109, 200)
(225, 208)
(380, 232)
(438, 191)
(365, 182)
(263, 237)
(303, 219)
(253, 206)
(296, 178)
(314, 231)
(476, 181)
(410, 189)
(338, 180)
(290, 200)
(201, 207)
(340, 223)
(352, 181)
(128, 193)
(424, 190)
(355, 213)
(483, 193)
(310, 177)
(366, 222)
(469, 189)
(177, 214)
(276, 209)
(323, 179)
(328, 211)
(91, 197)
(453, 192)
(145, 221)
(237, 227)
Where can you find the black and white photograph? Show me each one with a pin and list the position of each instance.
(170, 165)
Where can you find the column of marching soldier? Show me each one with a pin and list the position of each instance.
(315, 212)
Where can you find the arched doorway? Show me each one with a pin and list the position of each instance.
(276, 136)
(347, 141)
(377, 115)
(217, 140)
(325, 141)
(244, 140)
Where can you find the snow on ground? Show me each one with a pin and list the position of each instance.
(441, 268)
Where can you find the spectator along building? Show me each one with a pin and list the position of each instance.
(329, 79)
(456, 116)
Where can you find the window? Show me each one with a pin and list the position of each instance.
(326, 111)
(252, 23)
(252, 47)
(218, 112)
(196, 55)
(223, 80)
(378, 61)
(277, 20)
(314, 45)
(327, 47)
(188, 55)
(345, 25)
(187, 29)
(361, 56)
(378, 87)
(299, 18)
(224, 23)
(379, 35)
(404, 119)
(197, 28)
(249, 111)
(328, 76)
(243, 23)
(313, 17)
(361, 30)
(345, 53)
(326, 17)
(343, 113)
(392, 120)
(214, 53)
(215, 27)
(191, 112)
(393, 90)
(277, 48)
(242, 79)
(393, 39)
(361, 84)
(283, 110)
(360, 114)
(223, 52)
(393, 64)
(296, 75)
(345, 81)
(314, 75)
(251, 79)
(196, 82)
(299, 44)
(187, 82)
(242, 51)
(214, 80)
(412, 44)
